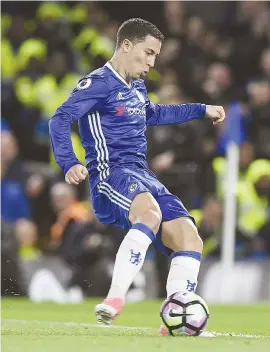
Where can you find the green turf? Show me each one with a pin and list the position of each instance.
(44, 331)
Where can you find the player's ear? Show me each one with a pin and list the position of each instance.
(127, 45)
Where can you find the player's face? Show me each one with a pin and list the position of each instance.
(141, 56)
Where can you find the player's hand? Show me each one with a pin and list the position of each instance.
(215, 113)
(76, 174)
(162, 161)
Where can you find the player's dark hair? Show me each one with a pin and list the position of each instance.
(136, 30)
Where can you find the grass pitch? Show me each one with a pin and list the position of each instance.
(30, 327)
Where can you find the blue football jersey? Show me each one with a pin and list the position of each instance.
(112, 117)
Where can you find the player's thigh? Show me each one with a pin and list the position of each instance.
(126, 197)
(181, 234)
(144, 203)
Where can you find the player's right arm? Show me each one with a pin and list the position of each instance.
(89, 94)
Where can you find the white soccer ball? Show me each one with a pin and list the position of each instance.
(184, 314)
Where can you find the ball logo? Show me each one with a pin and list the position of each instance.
(85, 83)
(132, 188)
(174, 314)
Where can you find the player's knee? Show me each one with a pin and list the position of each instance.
(182, 235)
(154, 217)
(150, 217)
(196, 242)
(145, 209)
(192, 240)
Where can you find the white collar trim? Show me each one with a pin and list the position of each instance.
(117, 74)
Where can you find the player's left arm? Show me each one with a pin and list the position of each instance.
(160, 114)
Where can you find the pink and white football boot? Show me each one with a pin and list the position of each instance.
(108, 310)
(162, 331)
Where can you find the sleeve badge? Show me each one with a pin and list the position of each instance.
(84, 83)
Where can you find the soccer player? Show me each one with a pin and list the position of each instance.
(113, 112)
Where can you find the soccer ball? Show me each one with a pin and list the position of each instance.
(184, 314)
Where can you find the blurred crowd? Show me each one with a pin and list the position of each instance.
(214, 53)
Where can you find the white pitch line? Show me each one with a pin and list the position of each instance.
(245, 336)
(75, 324)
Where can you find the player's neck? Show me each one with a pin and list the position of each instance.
(118, 64)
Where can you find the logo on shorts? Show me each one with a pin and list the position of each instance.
(132, 188)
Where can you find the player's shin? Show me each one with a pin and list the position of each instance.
(129, 259)
(184, 270)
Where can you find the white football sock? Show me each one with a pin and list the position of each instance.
(129, 261)
(183, 275)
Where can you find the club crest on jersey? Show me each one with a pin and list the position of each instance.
(132, 188)
(85, 83)
(140, 96)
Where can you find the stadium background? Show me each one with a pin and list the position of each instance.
(215, 53)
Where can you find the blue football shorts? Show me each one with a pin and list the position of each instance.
(111, 199)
